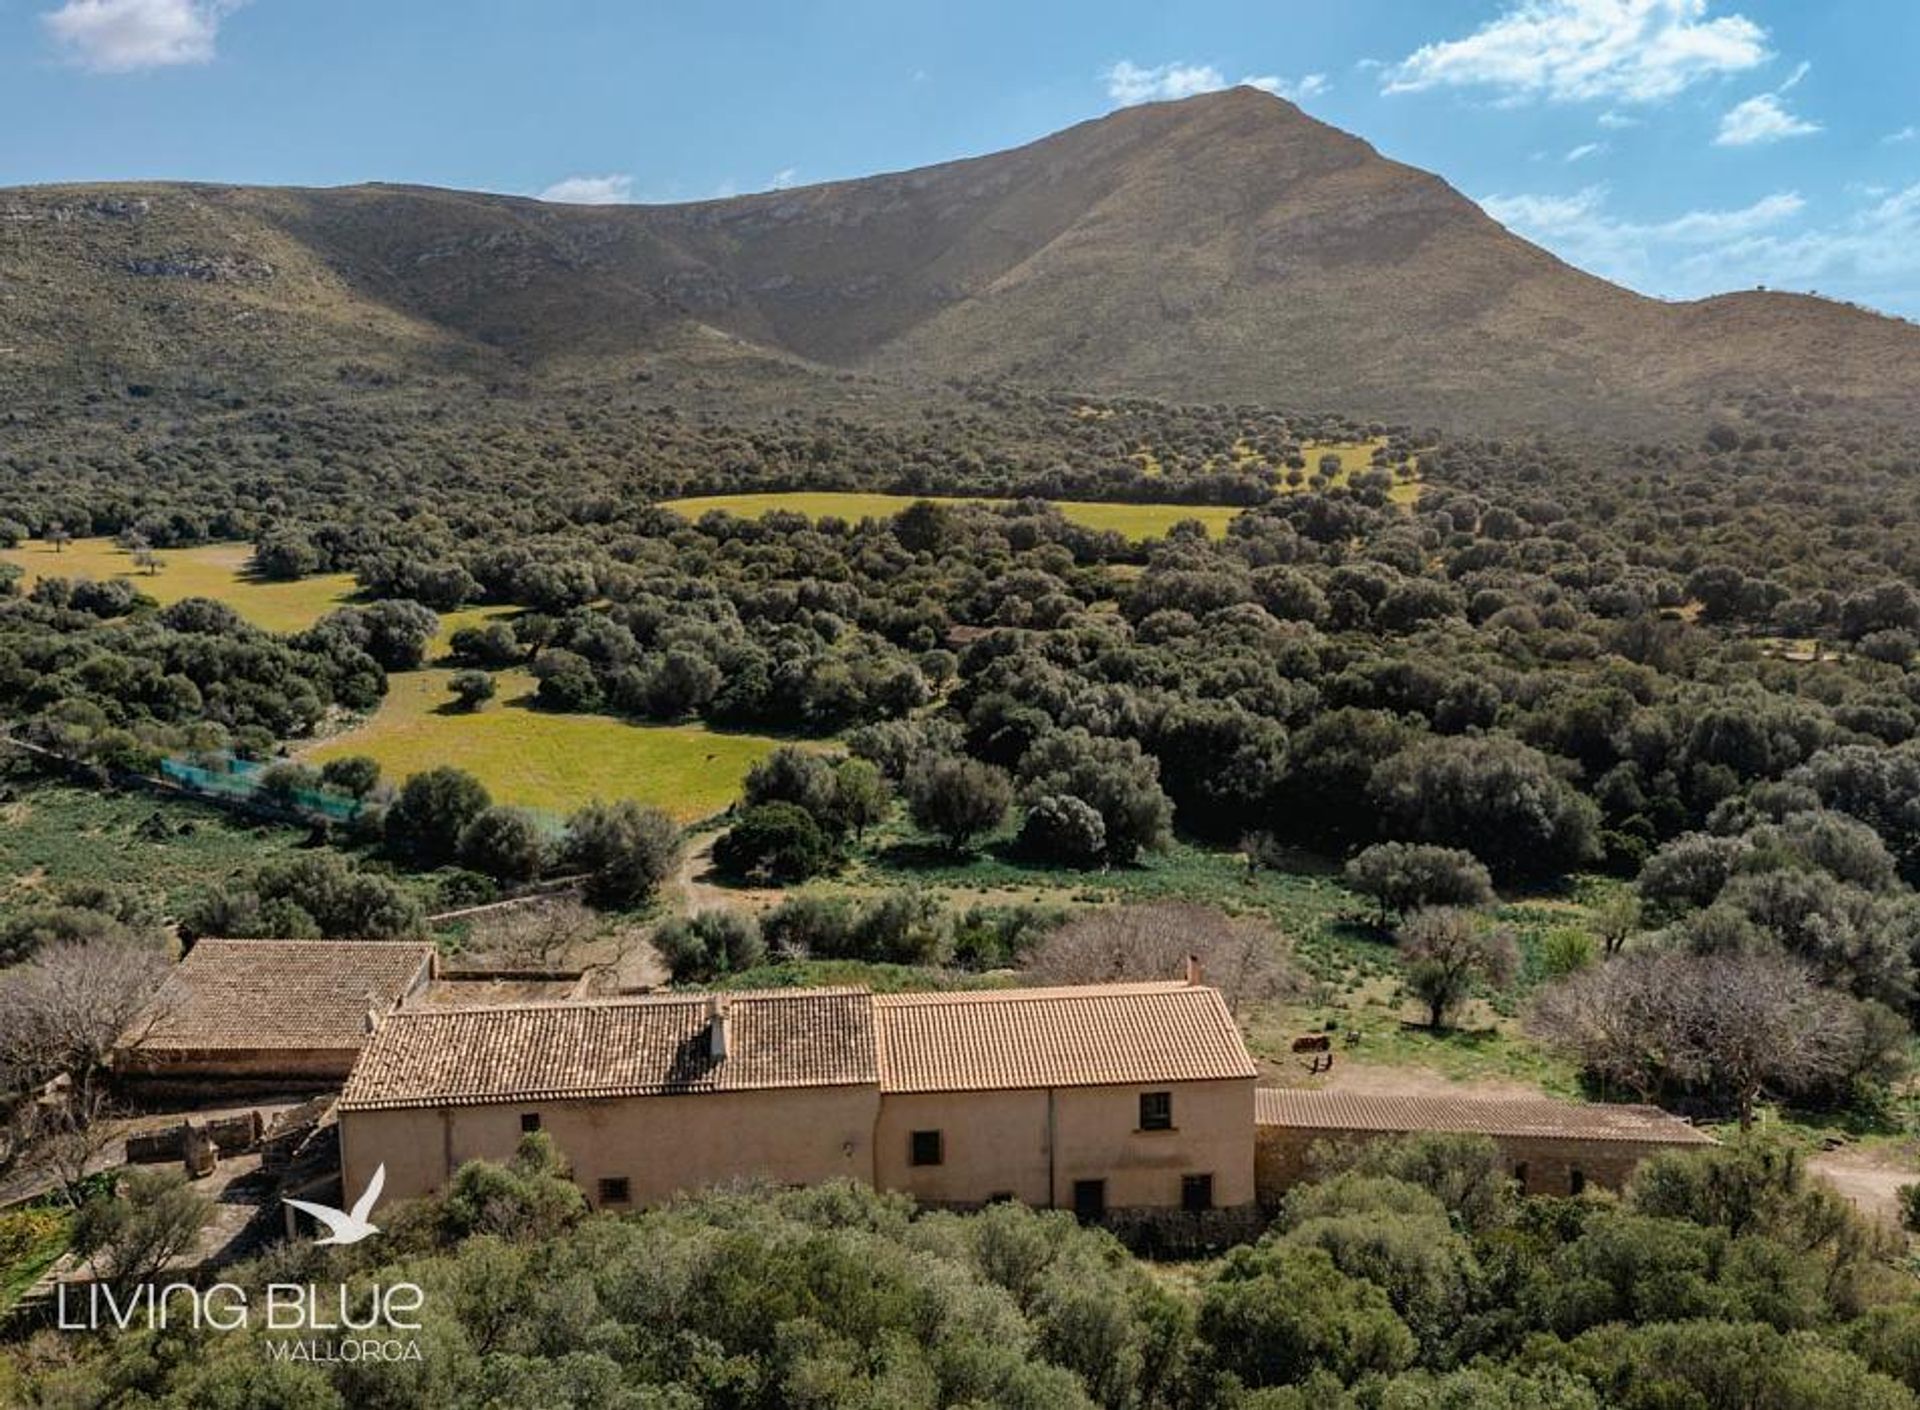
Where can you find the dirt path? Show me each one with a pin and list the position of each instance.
(699, 891)
(1870, 1177)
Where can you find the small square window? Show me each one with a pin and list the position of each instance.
(529, 1122)
(1196, 1193)
(1156, 1111)
(616, 1189)
(1000, 1197)
(925, 1148)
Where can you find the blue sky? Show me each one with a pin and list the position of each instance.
(1678, 146)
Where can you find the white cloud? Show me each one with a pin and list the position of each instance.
(590, 191)
(1129, 83)
(785, 177)
(1617, 121)
(1758, 120)
(120, 36)
(1905, 134)
(1585, 150)
(1873, 254)
(1636, 51)
(1870, 253)
(1582, 219)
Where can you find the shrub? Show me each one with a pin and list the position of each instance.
(471, 688)
(425, 822)
(1061, 828)
(506, 844)
(626, 848)
(777, 842)
(958, 799)
(708, 945)
(1406, 876)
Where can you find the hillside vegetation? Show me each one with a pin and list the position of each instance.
(1223, 247)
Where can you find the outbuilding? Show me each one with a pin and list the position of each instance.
(1549, 1147)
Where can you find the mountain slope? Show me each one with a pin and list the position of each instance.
(1223, 248)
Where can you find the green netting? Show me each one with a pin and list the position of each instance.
(223, 776)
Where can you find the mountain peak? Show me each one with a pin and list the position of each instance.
(1226, 246)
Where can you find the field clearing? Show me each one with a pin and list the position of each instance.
(55, 832)
(215, 570)
(1132, 521)
(544, 760)
(1355, 457)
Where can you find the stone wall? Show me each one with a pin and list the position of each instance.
(1541, 1165)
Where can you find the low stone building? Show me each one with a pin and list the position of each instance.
(1550, 1148)
(250, 1015)
(1102, 1098)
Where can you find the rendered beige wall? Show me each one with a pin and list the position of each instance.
(996, 1143)
(660, 1145)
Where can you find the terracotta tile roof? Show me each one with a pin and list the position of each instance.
(614, 1048)
(1089, 1036)
(258, 994)
(1539, 1117)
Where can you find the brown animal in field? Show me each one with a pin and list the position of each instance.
(1319, 1047)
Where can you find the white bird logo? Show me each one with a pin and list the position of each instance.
(351, 1226)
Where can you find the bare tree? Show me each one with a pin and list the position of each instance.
(65, 1138)
(536, 936)
(1243, 959)
(1734, 1025)
(62, 1011)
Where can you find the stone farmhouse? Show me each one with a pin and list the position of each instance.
(1099, 1098)
(245, 1015)
(1121, 1102)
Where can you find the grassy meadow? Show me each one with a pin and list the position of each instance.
(539, 759)
(215, 570)
(1132, 521)
(1355, 457)
(52, 833)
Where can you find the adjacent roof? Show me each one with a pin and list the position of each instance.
(614, 1048)
(254, 994)
(1094, 1035)
(1539, 1117)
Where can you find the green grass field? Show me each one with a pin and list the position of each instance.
(1133, 521)
(53, 832)
(31, 1239)
(538, 759)
(216, 570)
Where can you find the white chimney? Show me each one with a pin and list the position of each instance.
(1193, 969)
(717, 1027)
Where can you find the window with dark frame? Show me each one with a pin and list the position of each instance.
(1196, 1193)
(1520, 1175)
(616, 1189)
(1577, 1181)
(926, 1148)
(1156, 1111)
(529, 1122)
